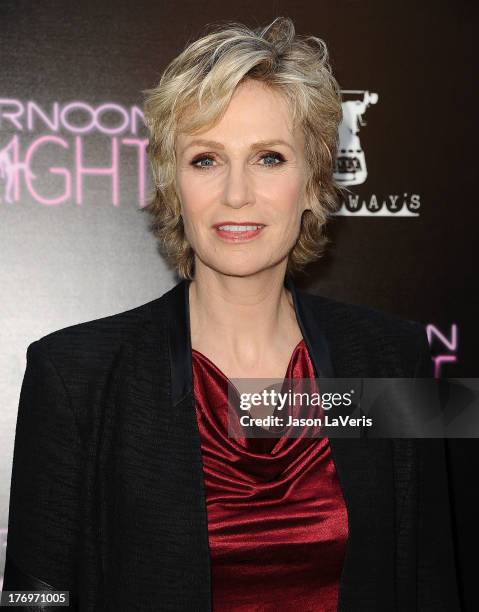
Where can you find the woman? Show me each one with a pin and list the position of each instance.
(126, 489)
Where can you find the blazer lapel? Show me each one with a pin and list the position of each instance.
(364, 466)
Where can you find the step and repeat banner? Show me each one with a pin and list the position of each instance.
(74, 177)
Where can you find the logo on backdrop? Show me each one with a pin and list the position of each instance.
(351, 161)
(61, 151)
(351, 168)
(8, 173)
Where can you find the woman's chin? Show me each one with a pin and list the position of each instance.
(239, 268)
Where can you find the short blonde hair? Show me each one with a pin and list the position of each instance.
(195, 90)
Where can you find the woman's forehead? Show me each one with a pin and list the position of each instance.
(255, 113)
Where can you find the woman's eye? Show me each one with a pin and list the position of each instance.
(277, 160)
(196, 162)
(275, 156)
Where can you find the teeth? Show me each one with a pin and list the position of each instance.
(239, 228)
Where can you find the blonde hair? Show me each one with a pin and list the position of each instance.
(195, 90)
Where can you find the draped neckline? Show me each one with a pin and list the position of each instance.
(223, 375)
(277, 520)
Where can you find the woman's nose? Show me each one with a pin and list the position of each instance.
(237, 189)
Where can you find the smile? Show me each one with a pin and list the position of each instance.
(238, 233)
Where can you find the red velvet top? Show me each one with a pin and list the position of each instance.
(277, 521)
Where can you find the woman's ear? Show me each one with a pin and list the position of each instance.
(306, 199)
(306, 205)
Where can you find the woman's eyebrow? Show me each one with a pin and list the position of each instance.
(256, 145)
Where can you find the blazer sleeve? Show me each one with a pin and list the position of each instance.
(43, 523)
(437, 586)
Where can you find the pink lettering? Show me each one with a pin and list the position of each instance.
(54, 170)
(111, 170)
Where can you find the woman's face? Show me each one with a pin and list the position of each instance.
(239, 174)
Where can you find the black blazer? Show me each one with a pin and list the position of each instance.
(107, 495)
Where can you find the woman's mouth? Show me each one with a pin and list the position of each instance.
(238, 232)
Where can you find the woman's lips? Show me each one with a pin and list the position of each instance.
(238, 233)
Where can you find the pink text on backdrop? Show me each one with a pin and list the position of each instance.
(448, 346)
(81, 120)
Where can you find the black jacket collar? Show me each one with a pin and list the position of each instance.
(179, 337)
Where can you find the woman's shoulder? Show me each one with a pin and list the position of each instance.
(387, 340)
(90, 348)
(361, 317)
(106, 328)
(105, 332)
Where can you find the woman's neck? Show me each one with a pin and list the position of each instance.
(247, 324)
